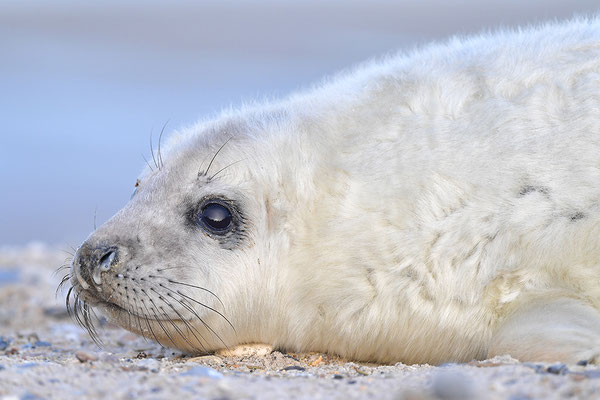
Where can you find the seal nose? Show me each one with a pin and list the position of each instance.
(91, 262)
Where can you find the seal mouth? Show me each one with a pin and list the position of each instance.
(168, 316)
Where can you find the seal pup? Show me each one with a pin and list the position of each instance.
(432, 207)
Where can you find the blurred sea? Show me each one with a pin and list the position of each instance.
(83, 84)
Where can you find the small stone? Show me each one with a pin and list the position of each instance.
(337, 376)
(582, 363)
(202, 371)
(557, 369)
(362, 372)
(41, 343)
(3, 343)
(246, 350)
(84, 356)
(33, 337)
(317, 361)
(293, 368)
(538, 368)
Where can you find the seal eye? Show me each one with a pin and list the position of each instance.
(216, 217)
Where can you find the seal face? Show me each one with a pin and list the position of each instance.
(442, 206)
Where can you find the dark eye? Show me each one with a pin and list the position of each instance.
(216, 217)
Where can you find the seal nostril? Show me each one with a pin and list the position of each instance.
(107, 260)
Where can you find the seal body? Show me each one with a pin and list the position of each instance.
(432, 207)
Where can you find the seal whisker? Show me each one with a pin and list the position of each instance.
(202, 304)
(170, 320)
(59, 269)
(147, 163)
(194, 286)
(63, 281)
(145, 316)
(138, 314)
(68, 302)
(190, 308)
(160, 159)
(190, 327)
(76, 306)
(212, 331)
(204, 323)
(129, 312)
(152, 152)
(92, 316)
(157, 319)
(224, 168)
(88, 313)
(215, 156)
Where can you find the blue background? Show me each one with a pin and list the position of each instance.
(83, 84)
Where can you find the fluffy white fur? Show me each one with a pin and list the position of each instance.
(432, 207)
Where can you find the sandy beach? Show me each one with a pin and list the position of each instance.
(46, 355)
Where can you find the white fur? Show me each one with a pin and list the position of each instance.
(411, 210)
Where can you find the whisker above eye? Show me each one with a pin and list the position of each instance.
(200, 173)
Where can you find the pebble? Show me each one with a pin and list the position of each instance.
(451, 385)
(538, 368)
(32, 337)
(558, 369)
(41, 343)
(3, 343)
(84, 356)
(202, 371)
(293, 368)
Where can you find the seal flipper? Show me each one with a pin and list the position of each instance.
(562, 329)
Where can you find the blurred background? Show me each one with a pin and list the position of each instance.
(83, 84)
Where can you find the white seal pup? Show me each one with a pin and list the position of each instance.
(438, 206)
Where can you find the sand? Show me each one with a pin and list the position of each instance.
(46, 355)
